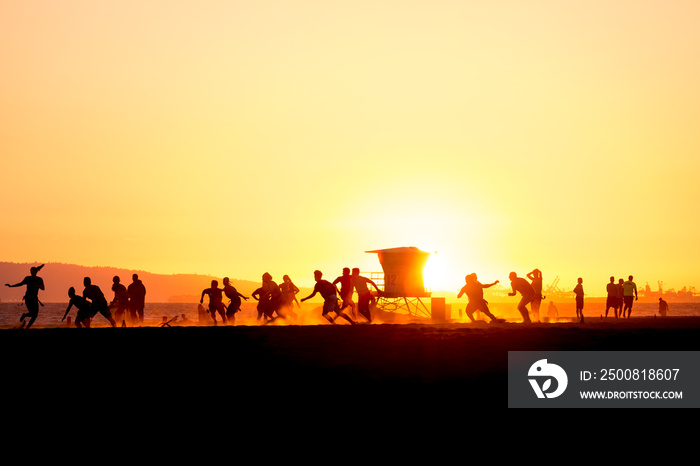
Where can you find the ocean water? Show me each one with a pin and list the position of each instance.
(310, 313)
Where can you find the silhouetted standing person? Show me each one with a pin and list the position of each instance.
(346, 289)
(620, 297)
(663, 307)
(84, 314)
(578, 291)
(120, 301)
(328, 292)
(98, 303)
(364, 295)
(536, 280)
(137, 298)
(216, 301)
(522, 286)
(235, 304)
(611, 300)
(33, 283)
(475, 293)
(629, 291)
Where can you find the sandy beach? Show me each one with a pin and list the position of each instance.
(389, 363)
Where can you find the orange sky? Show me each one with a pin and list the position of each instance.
(239, 137)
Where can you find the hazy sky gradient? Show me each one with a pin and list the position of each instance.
(239, 137)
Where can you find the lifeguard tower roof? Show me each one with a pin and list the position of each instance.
(403, 271)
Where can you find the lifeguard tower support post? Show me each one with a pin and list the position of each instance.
(402, 280)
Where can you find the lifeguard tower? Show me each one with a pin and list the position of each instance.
(401, 281)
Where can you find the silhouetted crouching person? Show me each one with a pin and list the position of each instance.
(31, 295)
(578, 291)
(98, 303)
(137, 298)
(475, 293)
(235, 304)
(216, 301)
(329, 293)
(522, 286)
(663, 307)
(364, 295)
(84, 314)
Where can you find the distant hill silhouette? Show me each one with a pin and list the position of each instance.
(58, 277)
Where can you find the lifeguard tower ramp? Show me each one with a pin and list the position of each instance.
(401, 280)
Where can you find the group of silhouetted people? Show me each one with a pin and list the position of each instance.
(128, 303)
(90, 303)
(277, 301)
(621, 296)
(530, 293)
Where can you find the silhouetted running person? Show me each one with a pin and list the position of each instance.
(328, 291)
(120, 301)
(235, 304)
(275, 299)
(137, 298)
(289, 295)
(346, 289)
(578, 291)
(536, 280)
(31, 294)
(629, 293)
(98, 303)
(84, 314)
(364, 295)
(527, 292)
(611, 300)
(216, 301)
(475, 293)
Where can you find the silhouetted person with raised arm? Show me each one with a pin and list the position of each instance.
(663, 307)
(346, 289)
(611, 300)
(289, 295)
(328, 292)
(475, 293)
(33, 283)
(629, 293)
(578, 291)
(84, 314)
(120, 301)
(235, 304)
(137, 298)
(527, 292)
(98, 303)
(536, 281)
(216, 301)
(364, 295)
